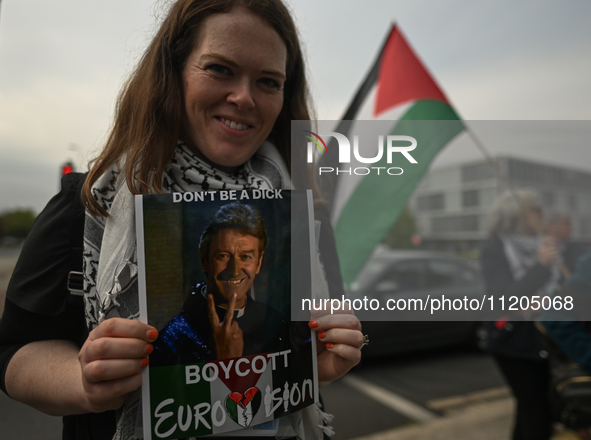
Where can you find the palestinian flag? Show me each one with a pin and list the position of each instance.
(227, 395)
(398, 89)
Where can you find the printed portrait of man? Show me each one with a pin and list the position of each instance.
(220, 319)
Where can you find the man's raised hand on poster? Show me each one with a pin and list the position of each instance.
(227, 335)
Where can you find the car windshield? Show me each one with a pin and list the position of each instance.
(368, 274)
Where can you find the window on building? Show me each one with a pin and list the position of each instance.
(455, 223)
(585, 225)
(571, 201)
(471, 198)
(431, 202)
(513, 170)
(470, 223)
(480, 171)
(438, 224)
(548, 199)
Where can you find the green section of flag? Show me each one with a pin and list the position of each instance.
(168, 383)
(232, 409)
(378, 200)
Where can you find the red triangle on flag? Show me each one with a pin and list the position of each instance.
(239, 382)
(402, 77)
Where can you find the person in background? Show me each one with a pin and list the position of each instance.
(517, 261)
(572, 337)
(559, 227)
(568, 333)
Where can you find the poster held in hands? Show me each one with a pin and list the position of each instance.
(194, 251)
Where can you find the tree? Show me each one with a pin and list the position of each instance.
(16, 223)
(399, 236)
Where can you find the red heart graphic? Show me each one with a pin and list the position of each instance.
(249, 394)
(245, 415)
(236, 397)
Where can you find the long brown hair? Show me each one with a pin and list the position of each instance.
(149, 110)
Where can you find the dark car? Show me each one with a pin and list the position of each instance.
(392, 275)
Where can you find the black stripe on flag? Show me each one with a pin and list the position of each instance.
(328, 183)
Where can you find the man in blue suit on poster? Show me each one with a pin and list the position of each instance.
(220, 319)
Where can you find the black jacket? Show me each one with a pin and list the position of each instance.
(516, 339)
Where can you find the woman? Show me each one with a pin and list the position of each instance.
(517, 262)
(208, 107)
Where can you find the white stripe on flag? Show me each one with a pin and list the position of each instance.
(347, 184)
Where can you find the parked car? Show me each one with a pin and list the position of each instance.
(394, 274)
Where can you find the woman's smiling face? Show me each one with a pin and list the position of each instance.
(233, 87)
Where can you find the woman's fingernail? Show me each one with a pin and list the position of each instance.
(329, 345)
(149, 349)
(313, 324)
(145, 362)
(153, 334)
(321, 335)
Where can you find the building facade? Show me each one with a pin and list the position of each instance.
(451, 204)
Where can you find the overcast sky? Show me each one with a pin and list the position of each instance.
(63, 61)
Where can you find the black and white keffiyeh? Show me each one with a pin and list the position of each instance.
(110, 262)
(110, 268)
(522, 253)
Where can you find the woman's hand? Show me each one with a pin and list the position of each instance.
(338, 339)
(547, 251)
(112, 359)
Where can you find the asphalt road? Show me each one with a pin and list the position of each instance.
(408, 389)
